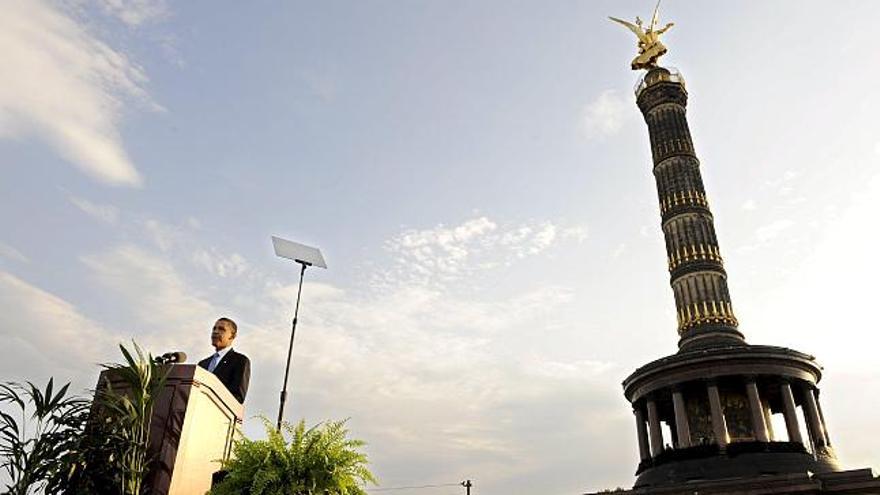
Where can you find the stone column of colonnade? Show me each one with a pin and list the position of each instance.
(816, 427)
(642, 432)
(719, 424)
(699, 282)
(759, 423)
(822, 418)
(815, 424)
(654, 426)
(768, 420)
(682, 426)
(790, 412)
(648, 427)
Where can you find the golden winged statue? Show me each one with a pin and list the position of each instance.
(650, 48)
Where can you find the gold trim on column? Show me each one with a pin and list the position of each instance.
(694, 252)
(682, 198)
(699, 313)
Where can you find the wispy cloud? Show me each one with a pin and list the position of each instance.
(10, 253)
(152, 289)
(445, 253)
(136, 12)
(528, 239)
(573, 370)
(45, 335)
(578, 233)
(441, 249)
(181, 241)
(163, 235)
(68, 88)
(604, 116)
(103, 212)
(784, 184)
(219, 264)
(768, 232)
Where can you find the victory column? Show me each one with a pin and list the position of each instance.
(717, 394)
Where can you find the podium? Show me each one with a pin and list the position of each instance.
(193, 425)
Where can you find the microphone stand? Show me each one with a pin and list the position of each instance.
(290, 349)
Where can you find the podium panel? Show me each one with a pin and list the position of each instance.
(192, 428)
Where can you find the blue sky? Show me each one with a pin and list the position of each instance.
(478, 176)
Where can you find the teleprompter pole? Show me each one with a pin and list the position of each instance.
(290, 349)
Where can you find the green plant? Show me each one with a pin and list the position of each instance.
(35, 445)
(315, 461)
(125, 406)
(112, 456)
(64, 446)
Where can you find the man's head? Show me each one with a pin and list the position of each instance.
(223, 333)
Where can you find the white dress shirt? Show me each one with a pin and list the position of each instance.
(218, 356)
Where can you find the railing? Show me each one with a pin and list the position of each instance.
(671, 75)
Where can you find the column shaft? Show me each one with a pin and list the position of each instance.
(681, 420)
(790, 413)
(768, 420)
(642, 432)
(759, 426)
(822, 417)
(703, 304)
(719, 425)
(654, 425)
(812, 413)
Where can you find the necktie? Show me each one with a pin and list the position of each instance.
(214, 362)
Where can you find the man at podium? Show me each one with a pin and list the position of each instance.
(232, 368)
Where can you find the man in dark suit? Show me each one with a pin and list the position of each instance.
(232, 368)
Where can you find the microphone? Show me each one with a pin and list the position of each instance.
(171, 357)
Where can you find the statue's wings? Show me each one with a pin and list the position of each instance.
(664, 28)
(632, 27)
(656, 17)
